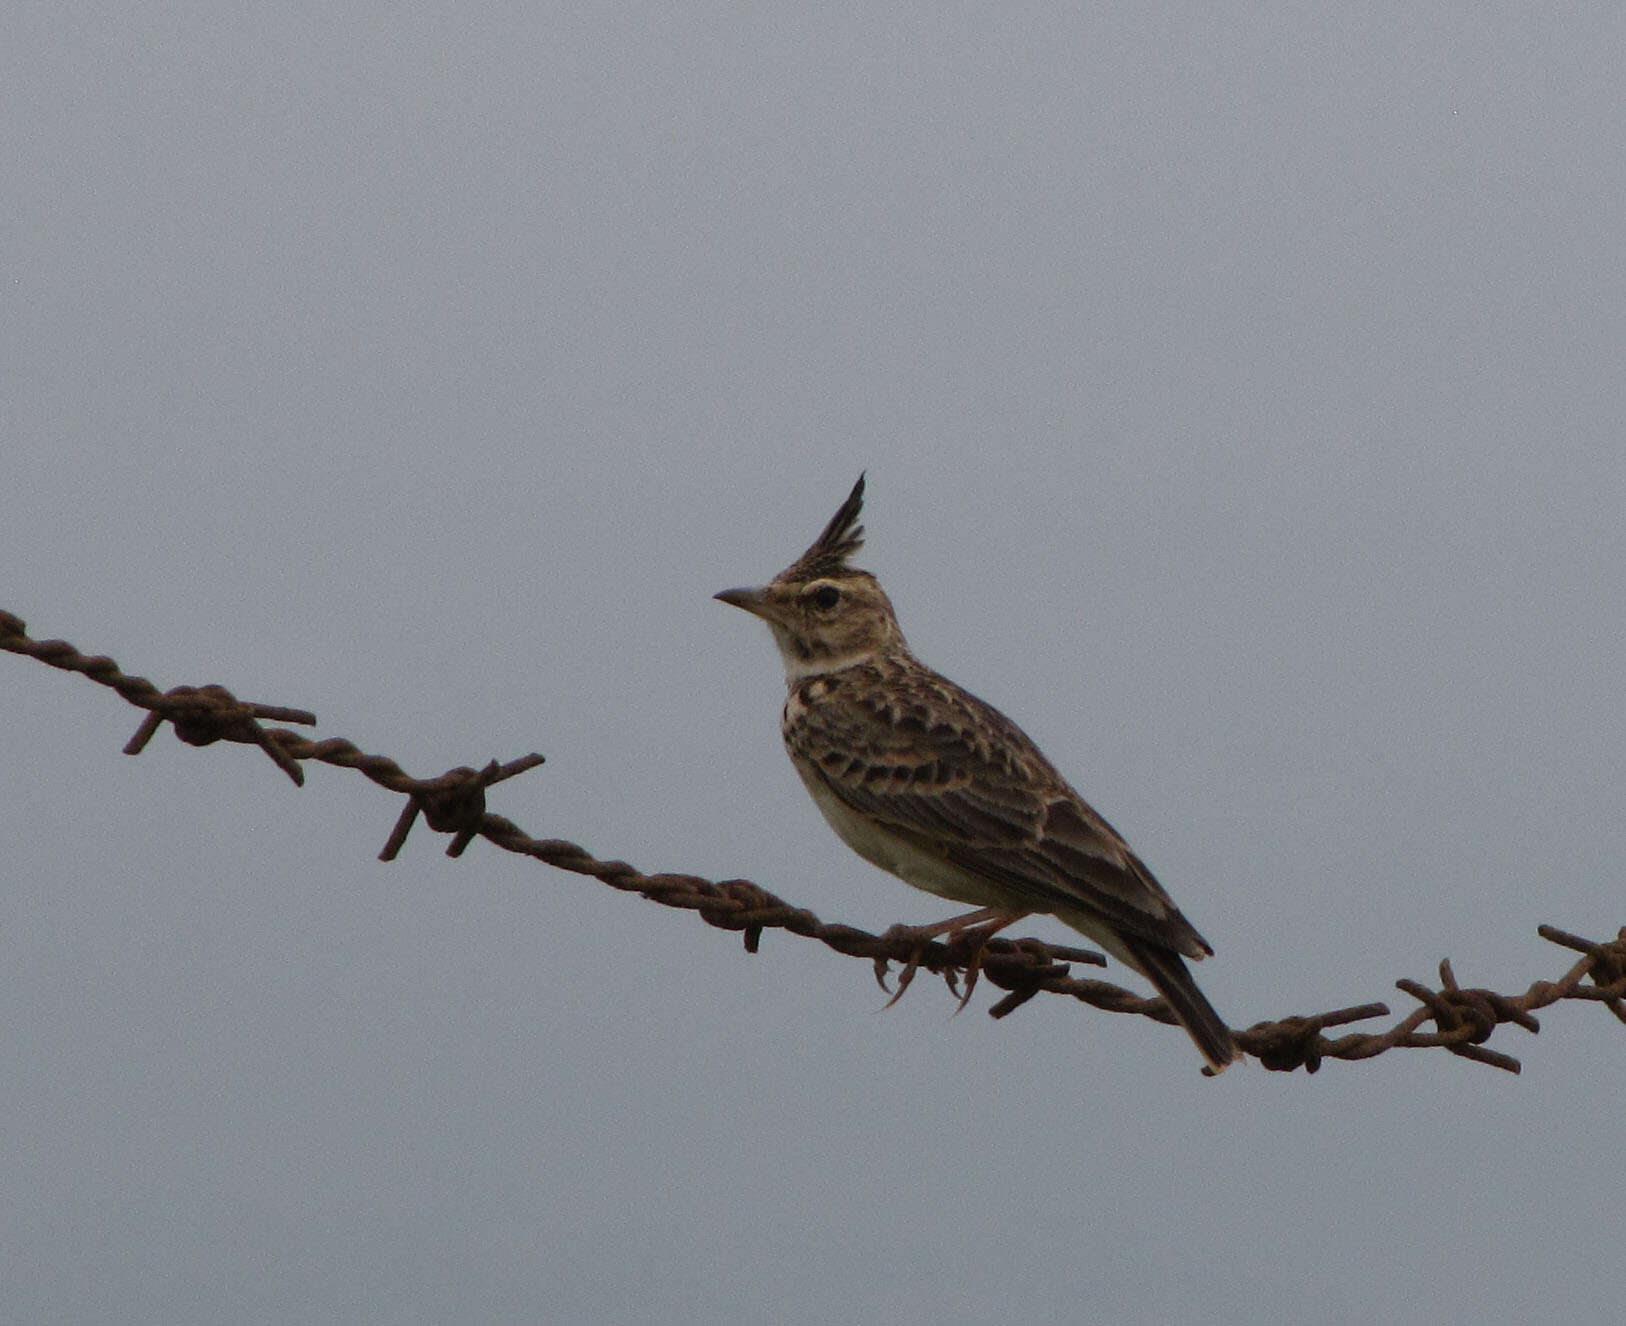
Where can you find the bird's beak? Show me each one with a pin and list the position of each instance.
(752, 600)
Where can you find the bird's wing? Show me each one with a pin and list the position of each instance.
(959, 780)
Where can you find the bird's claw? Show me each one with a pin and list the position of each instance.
(907, 975)
(972, 971)
(979, 936)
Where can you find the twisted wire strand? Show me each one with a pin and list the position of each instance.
(1462, 1019)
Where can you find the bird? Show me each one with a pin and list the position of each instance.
(939, 788)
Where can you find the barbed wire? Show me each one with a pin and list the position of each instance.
(454, 803)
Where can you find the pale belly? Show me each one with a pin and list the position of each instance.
(882, 848)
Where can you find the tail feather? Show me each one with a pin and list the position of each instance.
(1164, 969)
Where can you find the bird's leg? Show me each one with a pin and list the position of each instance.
(988, 921)
(981, 932)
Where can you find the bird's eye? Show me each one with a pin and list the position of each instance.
(826, 597)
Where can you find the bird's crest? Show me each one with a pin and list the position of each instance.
(841, 538)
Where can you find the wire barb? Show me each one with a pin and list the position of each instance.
(203, 715)
(454, 803)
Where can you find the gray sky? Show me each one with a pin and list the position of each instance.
(1241, 392)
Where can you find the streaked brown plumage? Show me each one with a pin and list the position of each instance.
(932, 784)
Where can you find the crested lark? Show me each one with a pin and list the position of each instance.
(928, 782)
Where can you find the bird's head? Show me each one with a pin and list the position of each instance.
(824, 614)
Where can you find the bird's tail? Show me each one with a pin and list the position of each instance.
(1164, 969)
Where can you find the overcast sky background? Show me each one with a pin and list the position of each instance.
(1241, 390)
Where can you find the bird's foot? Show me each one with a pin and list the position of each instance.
(978, 935)
(922, 935)
(971, 931)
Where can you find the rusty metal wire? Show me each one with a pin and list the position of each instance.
(454, 803)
